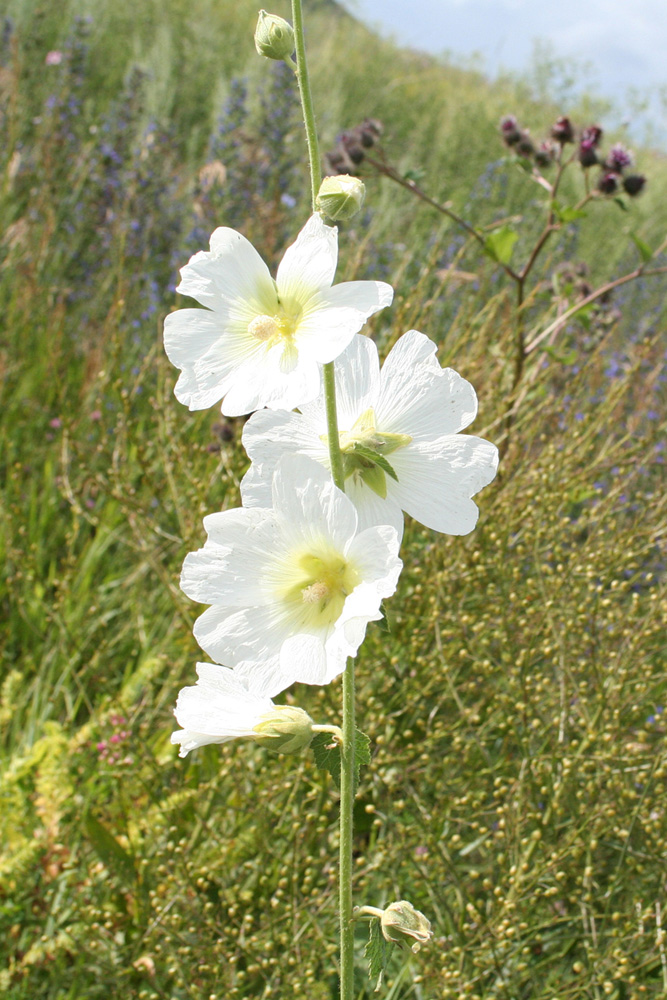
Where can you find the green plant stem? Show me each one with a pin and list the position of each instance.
(306, 101)
(346, 836)
(336, 461)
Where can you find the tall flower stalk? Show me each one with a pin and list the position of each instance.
(345, 903)
(293, 577)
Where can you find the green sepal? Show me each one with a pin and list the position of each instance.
(375, 479)
(327, 755)
(372, 456)
(377, 951)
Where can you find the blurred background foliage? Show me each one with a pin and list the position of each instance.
(517, 789)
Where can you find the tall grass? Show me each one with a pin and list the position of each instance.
(516, 706)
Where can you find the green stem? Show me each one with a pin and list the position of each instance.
(347, 749)
(333, 439)
(346, 835)
(306, 100)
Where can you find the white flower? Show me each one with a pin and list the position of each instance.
(292, 588)
(260, 342)
(221, 707)
(410, 414)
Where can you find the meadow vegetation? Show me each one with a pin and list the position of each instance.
(515, 706)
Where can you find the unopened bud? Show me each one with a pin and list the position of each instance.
(592, 134)
(524, 147)
(633, 184)
(509, 129)
(274, 37)
(587, 155)
(545, 154)
(608, 183)
(562, 130)
(340, 197)
(285, 729)
(400, 921)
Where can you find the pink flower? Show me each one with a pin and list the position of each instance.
(53, 58)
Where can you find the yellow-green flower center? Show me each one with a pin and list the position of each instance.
(317, 583)
(281, 325)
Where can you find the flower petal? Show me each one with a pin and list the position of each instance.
(340, 312)
(435, 485)
(420, 398)
(310, 263)
(232, 273)
(217, 709)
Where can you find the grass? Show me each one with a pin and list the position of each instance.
(517, 788)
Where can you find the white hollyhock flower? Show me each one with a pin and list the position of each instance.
(260, 342)
(292, 587)
(221, 707)
(409, 414)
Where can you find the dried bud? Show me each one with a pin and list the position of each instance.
(352, 144)
(587, 155)
(340, 197)
(370, 131)
(285, 729)
(608, 183)
(562, 130)
(509, 129)
(618, 158)
(633, 184)
(524, 147)
(274, 37)
(400, 920)
(545, 154)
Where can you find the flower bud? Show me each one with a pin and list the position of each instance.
(340, 197)
(509, 129)
(587, 155)
(545, 154)
(274, 37)
(608, 183)
(400, 920)
(562, 130)
(524, 146)
(633, 184)
(592, 134)
(285, 729)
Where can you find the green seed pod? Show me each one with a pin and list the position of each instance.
(286, 729)
(340, 197)
(274, 37)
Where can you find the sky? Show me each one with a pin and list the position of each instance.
(623, 41)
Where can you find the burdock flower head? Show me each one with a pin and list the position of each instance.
(633, 184)
(608, 183)
(509, 130)
(562, 130)
(588, 144)
(618, 158)
(261, 342)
